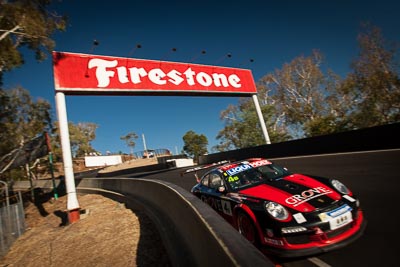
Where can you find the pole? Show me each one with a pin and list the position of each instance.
(6, 188)
(144, 145)
(51, 165)
(261, 118)
(28, 174)
(72, 200)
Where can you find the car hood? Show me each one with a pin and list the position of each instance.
(296, 191)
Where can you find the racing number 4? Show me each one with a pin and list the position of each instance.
(226, 207)
(233, 179)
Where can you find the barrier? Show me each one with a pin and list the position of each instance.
(191, 231)
(373, 138)
(12, 225)
(193, 234)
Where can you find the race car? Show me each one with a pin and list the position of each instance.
(282, 213)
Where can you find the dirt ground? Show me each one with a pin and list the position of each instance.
(107, 234)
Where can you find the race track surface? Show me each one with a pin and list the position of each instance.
(373, 176)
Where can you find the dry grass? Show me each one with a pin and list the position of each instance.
(108, 234)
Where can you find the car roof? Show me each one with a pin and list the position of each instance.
(240, 162)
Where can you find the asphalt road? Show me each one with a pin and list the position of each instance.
(373, 176)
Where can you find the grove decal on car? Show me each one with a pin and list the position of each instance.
(282, 213)
(307, 195)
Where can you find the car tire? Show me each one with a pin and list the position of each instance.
(246, 227)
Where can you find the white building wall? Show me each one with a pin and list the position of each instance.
(99, 161)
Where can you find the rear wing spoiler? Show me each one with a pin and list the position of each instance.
(203, 167)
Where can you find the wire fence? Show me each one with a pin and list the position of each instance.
(12, 224)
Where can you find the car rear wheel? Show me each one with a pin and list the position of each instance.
(246, 227)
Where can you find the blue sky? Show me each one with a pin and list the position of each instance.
(269, 32)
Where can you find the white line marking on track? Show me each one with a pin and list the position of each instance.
(319, 262)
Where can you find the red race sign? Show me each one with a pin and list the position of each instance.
(93, 74)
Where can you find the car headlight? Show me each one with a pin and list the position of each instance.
(340, 187)
(277, 211)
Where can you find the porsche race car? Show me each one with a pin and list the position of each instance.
(282, 213)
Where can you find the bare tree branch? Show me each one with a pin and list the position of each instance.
(7, 32)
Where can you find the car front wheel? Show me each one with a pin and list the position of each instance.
(246, 227)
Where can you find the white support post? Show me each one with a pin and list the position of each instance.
(72, 200)
(144, 146)
(261, 119)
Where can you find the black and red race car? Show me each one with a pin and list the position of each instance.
(284, 214)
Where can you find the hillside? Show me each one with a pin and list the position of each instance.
(108, 234)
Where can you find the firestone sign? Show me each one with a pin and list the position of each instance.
(93, 74)
(82, 74)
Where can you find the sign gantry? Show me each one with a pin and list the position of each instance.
(85, 74)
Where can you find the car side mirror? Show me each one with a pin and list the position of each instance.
(221, 189)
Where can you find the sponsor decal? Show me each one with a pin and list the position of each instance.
(237, 169)
(227, 167)
(323, 217)
(307, 195)
(85, 73)
(259, 163)
(311, 183)
(299, 218)
(349, 198)
(337, 217)
(108, 69)
(339, 211)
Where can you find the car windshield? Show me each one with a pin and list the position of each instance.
(254, 176)
(273, 171)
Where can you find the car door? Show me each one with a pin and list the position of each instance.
(209, 190)
(217, 197)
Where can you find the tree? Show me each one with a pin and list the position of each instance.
(301, 100)
(307, 100)
(80, 136)
(195, 144)
(242, 127)
(130, 140)
(301, 90)
(373, 88)
(21, 118)
(27, 23)
(297, 100)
